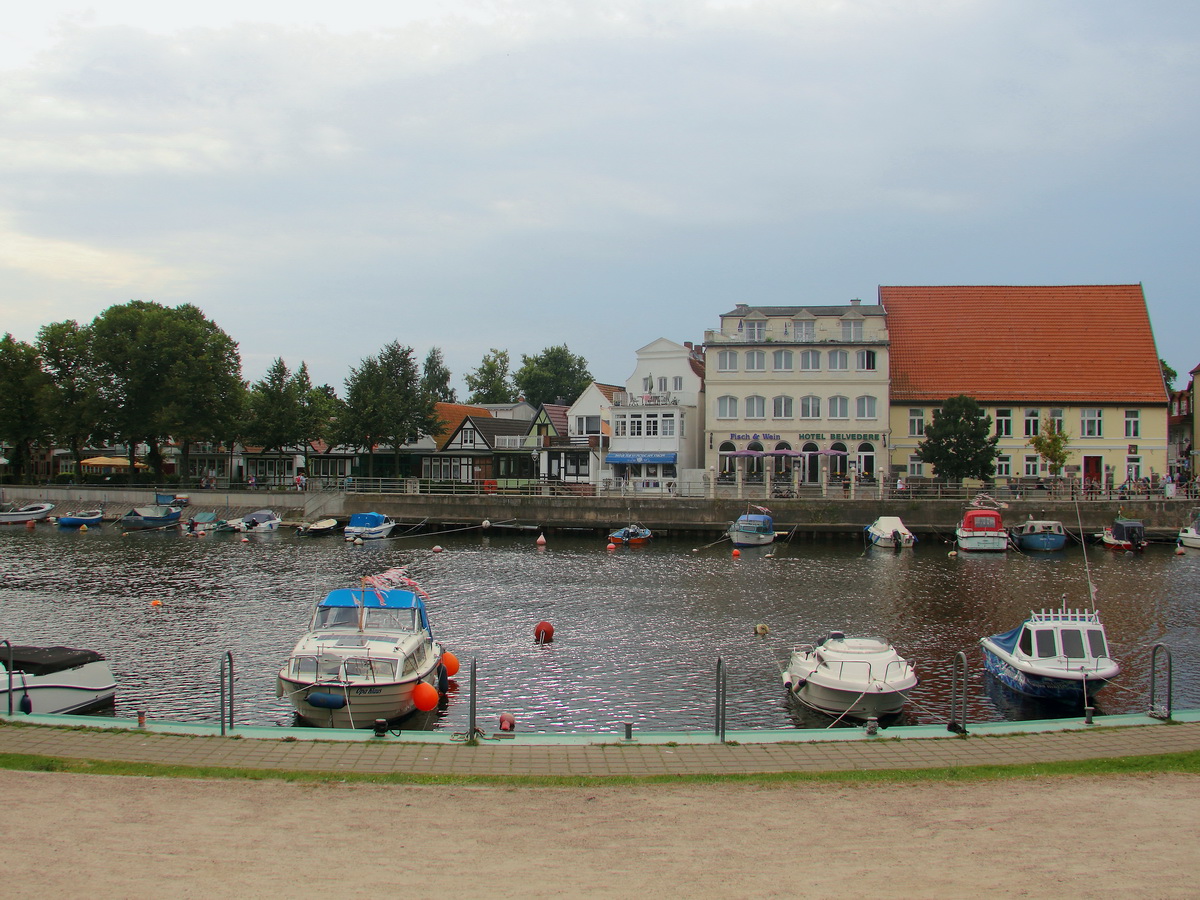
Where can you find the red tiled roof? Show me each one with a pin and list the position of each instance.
(1003, 344)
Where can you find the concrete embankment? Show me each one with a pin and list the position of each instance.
(816, 516)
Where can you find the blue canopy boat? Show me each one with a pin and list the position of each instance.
(1056, 655)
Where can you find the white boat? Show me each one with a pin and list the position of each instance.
(981, 529)
(1189, 535)
(858, 678)
(45, 680)
(368, 526)
(259, 520)
(30, 512)
(1055, 655)
(889, 531)
(366, 651)
(752, 529)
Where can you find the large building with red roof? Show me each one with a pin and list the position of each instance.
(1082, 356)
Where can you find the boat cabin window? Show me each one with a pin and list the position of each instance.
(1026, 642)
(1072, 642)
(1096, 643)
(1044, 638)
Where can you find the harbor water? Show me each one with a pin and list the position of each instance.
(637, 631)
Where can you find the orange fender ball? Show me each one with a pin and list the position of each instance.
(425, 697)
(450, 661)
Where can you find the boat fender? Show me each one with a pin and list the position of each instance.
(326, 700)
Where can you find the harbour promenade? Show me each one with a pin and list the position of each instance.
(596, 756)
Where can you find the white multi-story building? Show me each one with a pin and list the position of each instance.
(797, 394)
(658, 421)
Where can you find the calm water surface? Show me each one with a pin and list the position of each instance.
(637, 631)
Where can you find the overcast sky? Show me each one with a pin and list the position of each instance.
(322, 178)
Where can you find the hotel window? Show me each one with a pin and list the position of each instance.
(864, 407)
(810, 407)
(756, 361)
(810, 360)
(619, 427)
(1004, 422)
(1091, 423)
(727, 361)
(916, 423)
(839, 407)
(1033, 422)
(756, 407)
(635, 425)
(852, 330)
(668, 425)
(916, 466)
(866, 360)
(1032, 464)
(839, 360)
(783, 360)
(1003, 465)
(1056, 419)
(1133, 427)
(781, 407)
(756, 331)
(677, 383)
(652, 424)
(806, 332)
(727, 407)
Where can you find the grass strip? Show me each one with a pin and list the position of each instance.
(1187, 762)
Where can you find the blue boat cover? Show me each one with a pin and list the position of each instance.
(367, 520)
(1008, 640)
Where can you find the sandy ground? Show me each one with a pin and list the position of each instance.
(101, 836)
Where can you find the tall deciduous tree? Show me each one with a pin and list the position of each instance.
(556, 375)
(491, 382)
(23, 387)
(73, 403)
(958, 442)
(435, 378)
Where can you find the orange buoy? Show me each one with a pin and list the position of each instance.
(507, 722)
(450, 661)
(425, 697)
(543, 632)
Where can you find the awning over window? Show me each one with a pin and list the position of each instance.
(640, 458)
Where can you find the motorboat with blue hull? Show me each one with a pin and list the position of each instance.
(364, 656)
(752, 529)
(1039, 534)
(54, 680)
(851, 677)
(1059, 655)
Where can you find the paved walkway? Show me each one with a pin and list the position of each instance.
(541, 755)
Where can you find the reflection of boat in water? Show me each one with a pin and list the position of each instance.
(858, 678)
(1039, 534)
(890, 532)
(1055, 655)
(54, 679)
(752, 529)
(365, 656)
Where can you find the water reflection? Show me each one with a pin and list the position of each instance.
(638, 632)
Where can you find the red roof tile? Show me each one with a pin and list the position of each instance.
(1068, 344)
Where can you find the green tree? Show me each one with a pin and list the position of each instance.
(435, 378)
(72, 400)
(556, 375)
(1051, 445)
(958, 442)
(491, 382)
(23, 387)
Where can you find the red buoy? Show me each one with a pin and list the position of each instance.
(543, 632)
(425, 697)
(450, 661)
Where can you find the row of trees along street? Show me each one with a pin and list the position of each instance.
(145, 374)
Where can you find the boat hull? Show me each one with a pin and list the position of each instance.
(60, 693)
